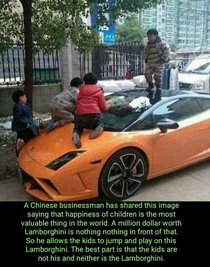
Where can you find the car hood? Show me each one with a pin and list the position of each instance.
(47, 147)
(191, 77)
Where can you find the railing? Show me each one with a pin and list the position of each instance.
(12, 64)
(115, 61)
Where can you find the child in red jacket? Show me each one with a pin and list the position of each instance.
(90, 102)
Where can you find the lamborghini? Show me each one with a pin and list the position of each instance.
(145, 136)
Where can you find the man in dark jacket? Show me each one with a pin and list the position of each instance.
(90, 102)
(157, 53)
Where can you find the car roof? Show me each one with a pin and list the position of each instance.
(173, 94)
(139, 91)
(166, 96)
(164, 93)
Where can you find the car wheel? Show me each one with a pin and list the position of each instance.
(123, 174)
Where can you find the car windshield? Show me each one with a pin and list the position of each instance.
(125, 108)
(200, 66)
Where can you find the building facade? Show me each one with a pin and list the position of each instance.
(182, 23)
(161, 18)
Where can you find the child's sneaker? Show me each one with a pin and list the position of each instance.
(41, 125)
(20, 144)
(76, 140)
(34, 129)
(50, 127)
(95, 133)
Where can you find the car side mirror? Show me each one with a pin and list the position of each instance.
(166, 124)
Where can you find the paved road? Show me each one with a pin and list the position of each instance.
(189, 184)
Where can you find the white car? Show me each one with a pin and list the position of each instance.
(196, 75)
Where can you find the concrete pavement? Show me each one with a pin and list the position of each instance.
(189, 184)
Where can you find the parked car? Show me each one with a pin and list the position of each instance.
(140, 141)
(196, 75)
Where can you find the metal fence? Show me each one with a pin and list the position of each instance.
(115, 61)
(12, 64)
(106, 61)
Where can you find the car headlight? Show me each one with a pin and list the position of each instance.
(61, 161)
(198, 85)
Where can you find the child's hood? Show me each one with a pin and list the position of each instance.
(90, 89)
(158, 40)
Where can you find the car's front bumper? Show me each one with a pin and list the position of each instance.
(46, 184)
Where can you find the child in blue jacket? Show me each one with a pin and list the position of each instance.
(22, 122)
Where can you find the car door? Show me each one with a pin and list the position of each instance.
(188, 143)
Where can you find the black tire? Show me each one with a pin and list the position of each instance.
(123, 174)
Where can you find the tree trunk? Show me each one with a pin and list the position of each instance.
(28, 41)
(83, 65)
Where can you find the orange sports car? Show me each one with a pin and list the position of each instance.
(144, 137)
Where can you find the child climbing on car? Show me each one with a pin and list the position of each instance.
(62, 106)
(89, 104)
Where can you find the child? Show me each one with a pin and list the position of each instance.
(157, 53)
(22, 122)
(62, 107)
(90, 103)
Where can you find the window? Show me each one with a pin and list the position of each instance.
(185, 56)
(199, 66)
(125, 109)
(177, 110)
(146, 124)
(204, 103)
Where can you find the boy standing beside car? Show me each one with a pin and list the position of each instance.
(157, 53)
(22, 122)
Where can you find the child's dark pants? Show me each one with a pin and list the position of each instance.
(88, 121)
